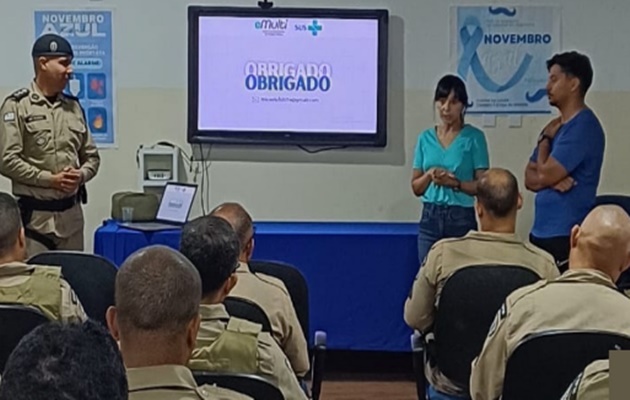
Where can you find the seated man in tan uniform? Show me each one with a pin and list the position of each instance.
(583, 298)
(39, 286)
(227, 344)
(156, 319)
(268, 292)
(591, 384)
(498, 201)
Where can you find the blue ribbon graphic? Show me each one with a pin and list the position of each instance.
(470, 59)
(502, 10)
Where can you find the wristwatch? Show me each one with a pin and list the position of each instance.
(458, 187)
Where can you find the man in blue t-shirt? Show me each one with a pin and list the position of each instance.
(564, 169)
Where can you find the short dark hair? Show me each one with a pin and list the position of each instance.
(451, 84)
(213, 247)
(576, 65)
(11, 222)
(59, 361)
(158, 290)
(497, 191)
(239, 218)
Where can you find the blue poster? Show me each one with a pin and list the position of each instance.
(90, 34)
(501, 53)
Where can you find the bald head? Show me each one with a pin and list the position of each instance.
(602, 241)
(497, 192)
(240, 220)
(157, 290)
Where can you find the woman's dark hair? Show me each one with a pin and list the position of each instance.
(452, 84)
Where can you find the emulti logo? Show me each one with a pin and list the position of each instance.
(272, 26)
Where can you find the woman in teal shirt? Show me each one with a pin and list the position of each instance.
(449, 158)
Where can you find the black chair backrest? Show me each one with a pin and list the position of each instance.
(253, 386)
(245, 309)
(543, 365)
(620, 200)
(295, 283)
(16, 321)
(92, 278)
(469, 301)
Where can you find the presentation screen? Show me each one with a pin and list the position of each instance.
(287, 76)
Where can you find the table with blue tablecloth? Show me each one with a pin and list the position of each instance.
(359, 274)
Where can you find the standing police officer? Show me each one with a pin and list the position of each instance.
(47, 151)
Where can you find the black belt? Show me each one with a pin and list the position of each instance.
(29, 204)
(33, 204)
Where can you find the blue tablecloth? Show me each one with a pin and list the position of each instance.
(359, 274)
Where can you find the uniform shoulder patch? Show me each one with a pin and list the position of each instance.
(19, 94)
(572, 391)
(73, 298)
(510, 301)
(498, 318)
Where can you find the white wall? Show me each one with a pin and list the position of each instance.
(284, 184)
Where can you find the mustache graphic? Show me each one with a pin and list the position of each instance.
(532, 98)
(502, 10)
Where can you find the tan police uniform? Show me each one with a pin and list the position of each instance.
(234, 345)
(40, 139)
(173, 382)
(41, 287)
(273, 297)
(450, 255)
(591, 384)
(582, 299)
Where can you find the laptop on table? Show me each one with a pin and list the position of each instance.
(173, 211)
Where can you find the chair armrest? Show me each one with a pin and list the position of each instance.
(319, 358)
(418, 357)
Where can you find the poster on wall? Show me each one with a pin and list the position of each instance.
(90, 34)
(501, 53)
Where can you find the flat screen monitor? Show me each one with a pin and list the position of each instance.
(287, 76)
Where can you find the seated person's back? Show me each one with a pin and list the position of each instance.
(156, 319)
(498, 201)
(268, 292)
(65, 361)
(41, 287)
(226, 344)
(584, 298)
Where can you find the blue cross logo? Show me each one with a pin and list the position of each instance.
(315, 28)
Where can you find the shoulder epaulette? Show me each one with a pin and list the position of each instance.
(19, 94)
(270, 280)
(524, 291)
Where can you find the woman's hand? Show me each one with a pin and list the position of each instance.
(436, 173)
(445, 178)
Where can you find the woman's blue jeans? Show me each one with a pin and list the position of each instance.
(442, 222)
